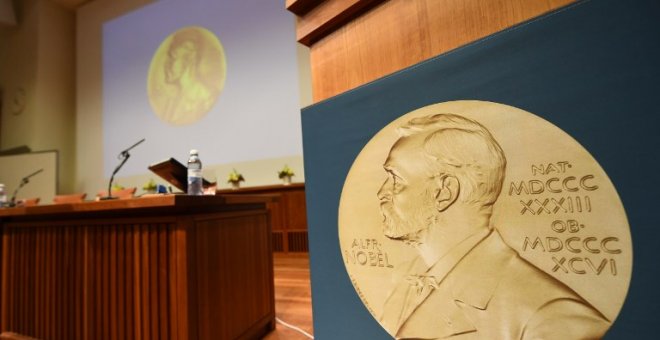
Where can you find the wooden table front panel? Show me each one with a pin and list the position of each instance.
(288, 214)
(141, 278)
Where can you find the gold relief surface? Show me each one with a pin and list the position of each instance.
(186, 75)
(478, 220)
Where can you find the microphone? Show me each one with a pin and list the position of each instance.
(24, 181)
(123, 156)
(125, 152)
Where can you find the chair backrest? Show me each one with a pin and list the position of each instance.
(121, 194)
(28, 202)
(72, 198)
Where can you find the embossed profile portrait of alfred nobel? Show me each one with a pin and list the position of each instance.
(445, 172)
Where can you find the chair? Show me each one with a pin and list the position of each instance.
(72, 198)
(28, 202)
(121, 194)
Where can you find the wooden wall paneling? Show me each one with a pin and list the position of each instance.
(284, 211)
(399, 33)
(277, 216)
(288, 214)
(297, 206)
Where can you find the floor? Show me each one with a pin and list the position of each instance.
(293, 298)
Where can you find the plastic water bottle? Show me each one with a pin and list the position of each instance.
(3, 196)
(194, 174)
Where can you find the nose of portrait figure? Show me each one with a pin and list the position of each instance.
(384, 193)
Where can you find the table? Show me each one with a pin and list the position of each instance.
(164, 267)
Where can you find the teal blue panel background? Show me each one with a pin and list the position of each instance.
(590, 68)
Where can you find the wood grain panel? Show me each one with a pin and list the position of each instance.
(328, 16)
(288, 213)
(300, 7)
(70, 276)
(296, 211)
(399, 33)
(246, 253)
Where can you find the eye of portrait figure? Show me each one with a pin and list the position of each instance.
(186, 75)
(458, 276)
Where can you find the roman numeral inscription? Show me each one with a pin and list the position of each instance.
(557, 188)
(560, 193)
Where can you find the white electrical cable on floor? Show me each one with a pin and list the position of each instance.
(297, 329)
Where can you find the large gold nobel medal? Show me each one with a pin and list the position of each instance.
(477, 220)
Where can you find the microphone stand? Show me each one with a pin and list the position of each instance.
(24, 181)
(124, 155)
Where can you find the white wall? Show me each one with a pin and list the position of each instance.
(42, 185)
(37, 57)
(54, 55)
(18, 71)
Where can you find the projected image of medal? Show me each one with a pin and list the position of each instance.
(186, 75)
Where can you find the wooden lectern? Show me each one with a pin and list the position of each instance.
(353, 42)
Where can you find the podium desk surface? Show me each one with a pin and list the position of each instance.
(170, 203)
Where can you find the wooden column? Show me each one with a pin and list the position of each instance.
(353, 42)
